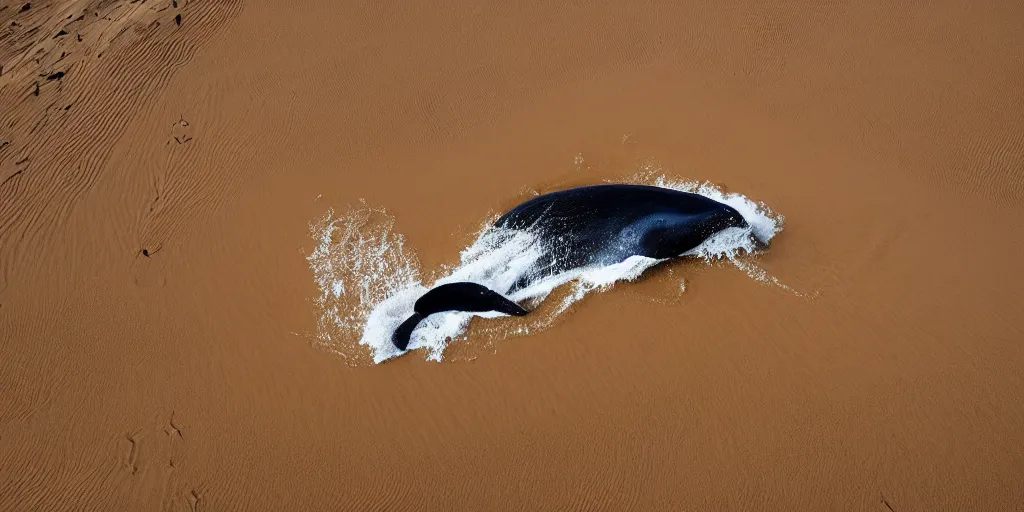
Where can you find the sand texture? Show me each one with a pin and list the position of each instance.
(161, 162)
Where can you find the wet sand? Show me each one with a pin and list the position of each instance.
(183, 378)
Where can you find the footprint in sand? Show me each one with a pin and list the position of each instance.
(151, 457)
(181, 132)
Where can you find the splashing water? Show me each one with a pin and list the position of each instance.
(358, 263)
(369, 282)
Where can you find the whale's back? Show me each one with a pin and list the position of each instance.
(602, 205)
(605, 224)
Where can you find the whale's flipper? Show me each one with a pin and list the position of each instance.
(464, 297)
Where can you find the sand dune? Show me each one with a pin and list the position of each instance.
(158, 175)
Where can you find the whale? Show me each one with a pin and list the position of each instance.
(584, 227)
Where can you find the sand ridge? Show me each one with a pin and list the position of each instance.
(64, 114)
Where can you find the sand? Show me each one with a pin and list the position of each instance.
(156, 303)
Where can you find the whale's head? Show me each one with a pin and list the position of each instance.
(723, 217)
(666, 235)
(730, 218)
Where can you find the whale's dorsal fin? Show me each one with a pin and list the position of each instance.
(464, 297)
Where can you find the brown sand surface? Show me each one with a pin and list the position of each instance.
(890, 135)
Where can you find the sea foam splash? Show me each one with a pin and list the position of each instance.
(369, 280)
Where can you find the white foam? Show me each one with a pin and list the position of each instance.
(369, 282)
